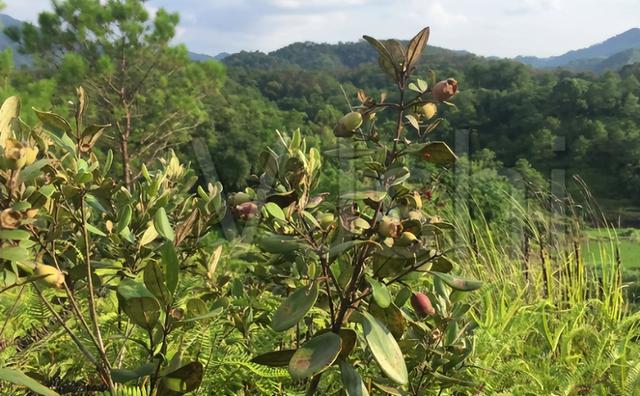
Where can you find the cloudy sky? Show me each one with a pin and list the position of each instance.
(486, 27)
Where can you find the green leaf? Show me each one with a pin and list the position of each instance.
(315, 355)
(375, 196)
(94, 230)
(349, 338)
(413, 121)
(349, 152)
(353, 384)
(14, 235)
(438, 153)
(380, 292)
(62, 142)
(47, 190)
(125, 375)
(384, 348)
(208, 315)
(275, 211)
(53, 120)
(107, 163)
(149, 235)
(337, 250)
(154, 281)
(185, 379)
(94, 203)
(19, 378)
(124, 218)
(275, 359)
(295, 307)
(171, 266)
(385, 59)
(138, 303)
(458, 283)
(162, 224)
(30, 172)
(14, 253)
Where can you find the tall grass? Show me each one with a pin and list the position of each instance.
(548, 324)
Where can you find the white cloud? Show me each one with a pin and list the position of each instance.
(488, 27)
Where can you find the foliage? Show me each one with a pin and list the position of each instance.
(105, 261)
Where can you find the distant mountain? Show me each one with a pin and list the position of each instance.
(611, 54)
(5, 42)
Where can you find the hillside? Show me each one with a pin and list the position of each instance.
(611, 54)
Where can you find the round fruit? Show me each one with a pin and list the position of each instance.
(407, 238)
(49, 276)
(389, 227)
(429, 110)
(326, 220)
(239, 198)
(422, 305)
(348, 124)
(444, 90)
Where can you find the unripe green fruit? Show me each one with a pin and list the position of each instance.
(406, 239)
(326, 220)
(389, 227)
(49, 276)
(415, 215)
(422, 305)
(239, 198)
(348, 124)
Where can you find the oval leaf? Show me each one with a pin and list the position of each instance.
(353, 384)
(162, 224)
(458, 283)
(295, 307)
(380, 292)
(384, 348)
(19, 378)
(154, 281)
(315, 356)
(275, 359)
(275, 211)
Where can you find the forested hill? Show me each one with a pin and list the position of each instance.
(586, 124)
(511, 109)
(315, 56)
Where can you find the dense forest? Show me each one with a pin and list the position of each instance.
(583, 123)
(373, 218)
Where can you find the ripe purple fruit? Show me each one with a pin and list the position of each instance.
(422, 305)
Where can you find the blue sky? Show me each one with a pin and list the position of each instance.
(485, 27)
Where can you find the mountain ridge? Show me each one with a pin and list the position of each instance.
(596, 57)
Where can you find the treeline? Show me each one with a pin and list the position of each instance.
(587, 125)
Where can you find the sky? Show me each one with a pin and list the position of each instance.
(503, 28)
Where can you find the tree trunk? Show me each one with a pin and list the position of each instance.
(126, 170)
(124, 148)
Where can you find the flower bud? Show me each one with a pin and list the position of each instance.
(348, 124)
(444, 90)
(389, 227)
(49, 276)
(422, 305)
(246, 211)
